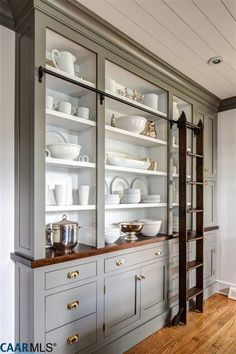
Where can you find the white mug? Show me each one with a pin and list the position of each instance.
(111, 85)
(83, 112)
(61, 194)
(49, 102)
(64, 61)
(69, 194)
(83, 195)
(151, 100)
(66, 107)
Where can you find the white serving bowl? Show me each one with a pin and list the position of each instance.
(151, 227)
(111, 238)
(125, 162)
(112, 199)
(133, 124)
(132, 198)
(64, 151)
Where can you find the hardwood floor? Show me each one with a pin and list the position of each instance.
(212, 332)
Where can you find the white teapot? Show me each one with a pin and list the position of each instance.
(64, 61)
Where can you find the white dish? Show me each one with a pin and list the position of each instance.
(118, 184)
(135, 124)
(112, 199)
(64, 151)
(111, 238)
(131, 198)
(132, 191)
(130, 163)
(140, 184)
(54, 137)
(151, 227)
(151, 198)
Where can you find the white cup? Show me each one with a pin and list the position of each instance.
(83, 195)
(83, 112)
(111, 85)
(69, 195)
(66, 107)
(49, 102)
(61, 194)
(174, 170)
(151, 100)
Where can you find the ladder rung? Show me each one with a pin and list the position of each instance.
(194, 155)
(193, 126)
(193, 292)
(194, 264)
(195, 183)
(195, 211)
(195, 237)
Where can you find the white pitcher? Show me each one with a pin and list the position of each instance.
(64, 61)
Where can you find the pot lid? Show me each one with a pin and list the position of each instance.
(64, 222)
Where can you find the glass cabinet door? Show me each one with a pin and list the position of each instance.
(135, 154)
(70, 136)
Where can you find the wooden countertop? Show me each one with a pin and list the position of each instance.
(83, 251)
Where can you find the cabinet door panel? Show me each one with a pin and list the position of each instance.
(209, 203)
(209, 265)
(154, 288)
(122, 301)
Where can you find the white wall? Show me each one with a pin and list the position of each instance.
(7, 76)
(227, 196)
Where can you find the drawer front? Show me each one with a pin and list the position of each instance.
(209, 239)
(122, 261)
(70, 275)
(73, 337)
(70, 305)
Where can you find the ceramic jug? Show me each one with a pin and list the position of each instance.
(176, 113)
(64, 61)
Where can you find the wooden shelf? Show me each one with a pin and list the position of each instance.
(67, 121)
(50, 161)
(133, 138)
(135, 171)
(135, 206)
(194, 264)
(193, 292)
(195, 183)
(191, 154)
(57, 208)
(137, 104)
(195, 211)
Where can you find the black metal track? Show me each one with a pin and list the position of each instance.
(42, 71)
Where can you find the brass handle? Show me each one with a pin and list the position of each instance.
(158, 252)
(143, 277)
(205, 239)
(73, 275)
(73, 339)
(120, 262)
(206, 183)
(73, 305)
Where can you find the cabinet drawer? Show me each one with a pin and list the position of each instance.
(122, 261)
(70, 305)
(209, 239)
(81, 333)
(70, 275)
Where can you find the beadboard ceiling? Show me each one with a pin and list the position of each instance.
(184, 33)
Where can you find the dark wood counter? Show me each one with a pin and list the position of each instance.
(83, 251)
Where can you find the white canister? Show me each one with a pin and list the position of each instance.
(49, 103)
(61, 194)
(66, 107)
(83, 112)
(111, 85)
(151, 100)
(83, 195)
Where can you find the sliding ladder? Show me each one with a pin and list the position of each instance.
(185, 236)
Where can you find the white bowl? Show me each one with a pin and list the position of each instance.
(64, 151)
(132, 198)
(151, 227)
(112, 199)
(132, 191)
(133, 124)
(111, 238)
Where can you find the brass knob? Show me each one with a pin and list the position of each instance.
(73, 305)
(120, 262)
(73, 275)
(205, 239)
(158, 252)
(206, 183)
(73, 339)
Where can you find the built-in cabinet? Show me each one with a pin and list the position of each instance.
(85, 305)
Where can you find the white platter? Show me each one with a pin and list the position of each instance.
(140, 184)
(124, 162)
(118, 184)
(54, 137)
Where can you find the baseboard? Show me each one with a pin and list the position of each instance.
(210, 290)
(225, 284)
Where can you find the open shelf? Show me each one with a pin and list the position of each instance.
(62, 208)
(133, 138)
(194, 264)
(50, 161)
(67, 121)
(135, 171)
(135, 206)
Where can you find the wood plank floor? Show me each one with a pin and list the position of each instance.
(212, 332)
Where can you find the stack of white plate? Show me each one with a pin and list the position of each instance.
(151, 198)
(131, 196)
(112, 199)
(112, 233)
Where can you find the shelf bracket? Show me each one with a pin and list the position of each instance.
(172, 122)
(40, 73)
(102, 98)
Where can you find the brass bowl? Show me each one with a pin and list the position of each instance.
(130, 229)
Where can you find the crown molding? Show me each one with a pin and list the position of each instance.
(227, 104)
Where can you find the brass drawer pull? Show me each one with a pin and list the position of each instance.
(205, 239)
(73, 275)
(73, 305)
(158, 252)
(73, 339)
(120, 262)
